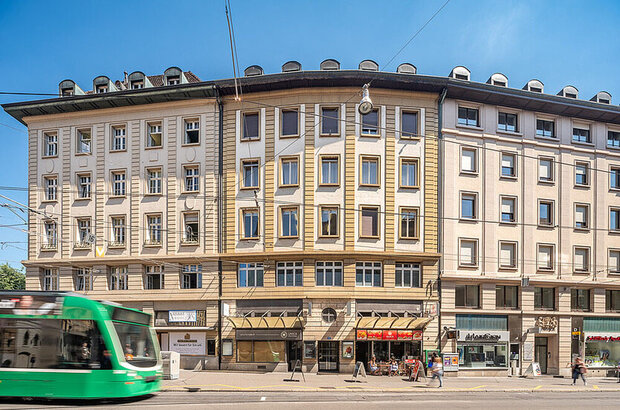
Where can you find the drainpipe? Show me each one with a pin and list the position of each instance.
(442, 97)
(220, 210)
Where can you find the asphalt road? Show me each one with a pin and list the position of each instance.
(343, 400)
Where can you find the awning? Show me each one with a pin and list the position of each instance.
(409, 323)
(267, 322)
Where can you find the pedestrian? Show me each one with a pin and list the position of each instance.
(437, 371)
(579, 369)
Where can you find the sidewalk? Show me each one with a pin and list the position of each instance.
(220, 381)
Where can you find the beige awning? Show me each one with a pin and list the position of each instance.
(408, 323)
(266, 322)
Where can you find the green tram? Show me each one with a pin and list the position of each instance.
(65, 345)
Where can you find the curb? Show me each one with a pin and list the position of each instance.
(421, 390)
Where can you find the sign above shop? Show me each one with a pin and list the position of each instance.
(190, 343)
(483, 336)
(182, 316)
(547, 323)
(269, 334)
(602, 338)
(389, 334)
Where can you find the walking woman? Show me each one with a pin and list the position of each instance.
(437, 371)
(579, 369)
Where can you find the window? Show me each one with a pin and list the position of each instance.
(49, 279)
(409, 124)
(467, 296)
(50, 145)
(102, 89)
(614, 178)
(258, 351)
(369, 171)
(137, 84)
(250, 275)
(84, 239)
(582, 216)
(370, 123)
(545, 257)
(580, 300)
(191, 277)
(154, 137)
(84, 142)
(507, 255)
(173, 80)
(545, 169)
(289, 274)
(508, 209)
(468, 116)
(250, 223)
(409, 223)
(581, 260)
(582, 174)
(191, 228)
(368, 274)
(506, 297)
(581, 135)
(508, 165)
(329, 121)
(153, 277)
(84, 181)
(289, 222)
(329, 274)
(250, 173)
(119, 139)
(613, 139)
(614, 219)
(369, 222)
(329, 315)
(468, 252)
(192, 132)
(250, 126)
(469, 161)
(118, 183)
(545, 213)
(545, 128)
(192, 179)
(507, 122)
(153, 176)
(289, 173)
(329, 221)
(330, 170)
(612, 300)
(153, 229)
(83, 279)
(614, 261)
(51, 188)
(118, 278)
(290, 123)
(118, 231)
(50, 238)
(544, 298)
(408, 275)
(409, 173)
(469, 206)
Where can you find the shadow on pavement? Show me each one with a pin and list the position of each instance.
(72, 402)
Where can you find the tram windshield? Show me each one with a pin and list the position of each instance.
(137, 344)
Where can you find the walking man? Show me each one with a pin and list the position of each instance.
(579, 369)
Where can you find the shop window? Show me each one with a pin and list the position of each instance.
(580, 300)
(408, 275)
(260, 351)
(368, 274)
(289, 274)
(507, 297)
(290, 123)
(544, 298)
(329, 315)
(329, 273)
(211, 347)
(250, 275)
(467, 296)
(250, 126)
(481, 355)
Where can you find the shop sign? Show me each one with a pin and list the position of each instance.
(405, 335)
(603, 338)
(547, 323)
(269, 334)
(390, 334)
(417, 335)
(362, 335)
(483, 336)
(191, 343)
(182, 316)
(375, 334)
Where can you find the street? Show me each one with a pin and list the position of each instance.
(343, 400)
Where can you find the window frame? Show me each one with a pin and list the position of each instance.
(475, 207)
(410, 161)
(51, 274)
(148, 239)
(242, 212)
(150, 124)
(588, 261)
(401, 212)
(515, 262)
(406, 135)
(328, 157)
(467, 305)
(281, 211)
(255, 268)
(82, 243)
(370, 158)
(507, 113)
(514, 156)
(614, 169)
(86, 275)
(377, 133)
(475, 251)
(409, 271)
(573, 306)
(186, 122)
(185, 239)
(338, 120)
(289, 109)
(372, 265)
(613, 135)
(242, 126)
(468, 108)
(515, 210)
(587, 226)
(474, 161)
(79, 132)
(551, 180)
(113, 243)
(187, 271)
(148, 180)
(551, 223)
(587, 175)
(610, 306)
(243, 163)
(329, 269)
(46, 144)
(615, 270)
(49, 242)
(581, 128)
(196, 177)
(616, 229)
(325, 208)
(46, 178)
(118, 278)
(113, 182)
(154, 270)
(551, 267)
(288, 158)
(283, 268)
(361, 228)
(504, 289)
(78, 184)
(113, 137)
(545, 120)
(542, 304)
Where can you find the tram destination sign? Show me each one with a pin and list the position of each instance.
(31, 304)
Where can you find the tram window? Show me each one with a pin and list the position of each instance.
(137, 344)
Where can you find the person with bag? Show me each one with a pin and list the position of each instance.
(579, 369)
(437, 371)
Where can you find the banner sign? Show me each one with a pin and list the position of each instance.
(362, 335)
(490, 336)
(191, 343)
(182, 316)
(602, 338)
(375, 334)
(391, 334)
(405, 334)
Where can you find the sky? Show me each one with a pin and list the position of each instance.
(43, 42)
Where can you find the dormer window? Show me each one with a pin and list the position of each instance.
(499, 83)
(534, 86)
(174, 80)
(570, 95)
(569, 92)
(102, 89)
(136, 85)
(67, 92)
(604, 101)
(460, 73)
(536, 90)
(461, 77)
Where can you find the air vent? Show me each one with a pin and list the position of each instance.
(253, 70)
(534, 86)
(602, 97)
(460, 73)
(291, 66)
(498, 79)
(406, 68)
(330, 65)
(368, 65)
(569, 92)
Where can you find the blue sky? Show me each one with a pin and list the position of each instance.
(43, 42)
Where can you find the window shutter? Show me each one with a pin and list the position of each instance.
(467, 159)
(581, 259)
(508, 161)
(581, 214)
(506, 255)
(545, 169)
(467, 253)
(367, 221)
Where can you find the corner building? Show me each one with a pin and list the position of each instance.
(330, 219)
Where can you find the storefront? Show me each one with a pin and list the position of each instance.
(387, 337)
(482, 342)
(601, 338)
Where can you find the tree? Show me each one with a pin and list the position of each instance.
(11, 278)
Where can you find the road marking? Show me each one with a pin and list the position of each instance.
(595, 387)
(537, 387)
(477, 387)
(263, 398)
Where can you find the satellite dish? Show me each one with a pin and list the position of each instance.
(366, 103)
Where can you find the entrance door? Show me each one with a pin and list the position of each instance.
(362, 353)
(294, 353)
(328, 356)
(540, 352)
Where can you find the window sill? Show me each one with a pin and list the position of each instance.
(510, 133)
(245, 139)
(581, 272)
(155, 147)
(49, 156)
(468, 220)
(579, 186)
(614, 148)
(585, 144)
(189, 243)
(546, 182)
(118, 196)
(82, 247)
(289, 136)
(581, 229)
(409, 187)
(508, 268)
(469, 173)
(467, 307)
(49, 201)
(614, 232)
(469, 127)
(83, 199)
(112, 151)
(152, 245)
(192, 144)
(80, 154)
(250, 239)
(289, 186)
(614, 189)
(547, 226)
(288, 237)
(547, 271)
(149, 194)
(403, 238)
(508, 223)
(329, 236)
(329, 185)
(468, 267)
(46, 248)
(370, 186)
(543, 138)
(508, 177)
(409, 138)
(370, 237)
(189, 192)
(321, 135)
(377, 136)
(249, 188)
(116, 246)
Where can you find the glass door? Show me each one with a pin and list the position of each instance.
(541, 351)
(328, 356)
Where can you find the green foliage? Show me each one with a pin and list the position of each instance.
(11, 278)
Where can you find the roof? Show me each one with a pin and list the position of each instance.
(158, 80)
